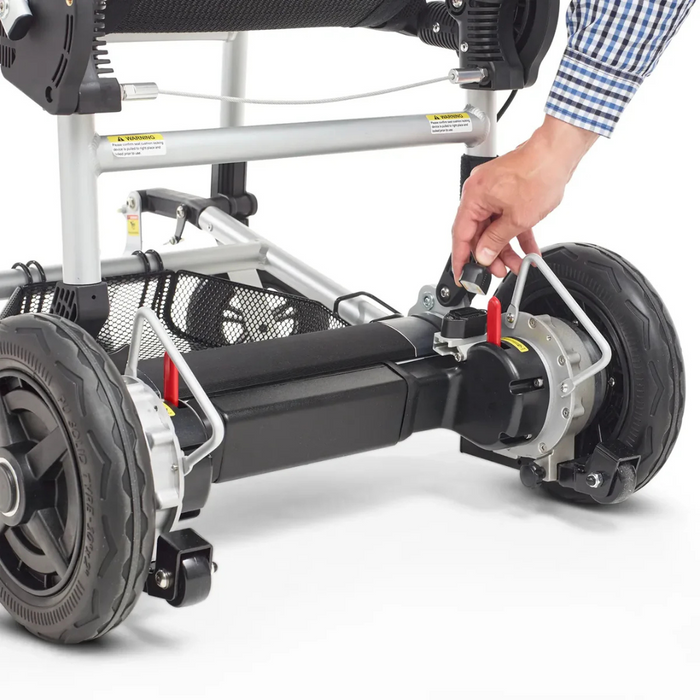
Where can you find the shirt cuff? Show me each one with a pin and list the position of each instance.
(590, 94)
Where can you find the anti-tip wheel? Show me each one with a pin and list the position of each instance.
(77, 506)
(645, 392)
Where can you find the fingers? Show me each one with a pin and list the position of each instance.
(463, 243)
(528, 243)
(494, 240)
(510, 259)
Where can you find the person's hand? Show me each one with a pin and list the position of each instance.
(505, 198)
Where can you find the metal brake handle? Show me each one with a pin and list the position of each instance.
(146, 315)
(566, 386)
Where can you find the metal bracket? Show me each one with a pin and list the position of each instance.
(513, 314)
(143, 316)
(132, 211)
(16, 17)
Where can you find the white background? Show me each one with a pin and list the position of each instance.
(412, 572)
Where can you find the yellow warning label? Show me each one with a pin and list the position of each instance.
(135, 138)
(170, 411)
(448, 117)
(456, 122)
(521, 347)
(133, 225)
(137, 145)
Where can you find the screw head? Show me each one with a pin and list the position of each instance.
(4, 9)
(561, 360)
(532, 323)
(131, 203)
(214, 567)
(9, 490)
(457, 4)
(542, 448)
(464, 47)
(436, 27)
(164, 579)
(539, 382)
(565, 412)
(429, 301)
(510, 318)
(444, 292)
(174, 468)
(611, 382)
(595, 480)
(180, 212)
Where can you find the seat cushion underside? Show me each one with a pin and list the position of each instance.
(186, 16)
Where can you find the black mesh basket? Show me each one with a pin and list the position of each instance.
(198, 311)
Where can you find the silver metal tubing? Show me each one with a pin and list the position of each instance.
(216, 425)
(514, 311)
(291, 270)
(78, 173)
(206, 261)
(254, 143)
(233, 78)
(485, 100)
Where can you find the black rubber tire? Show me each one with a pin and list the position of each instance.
(116, 483)
(649, 401)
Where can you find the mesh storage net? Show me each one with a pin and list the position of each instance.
(198, 311)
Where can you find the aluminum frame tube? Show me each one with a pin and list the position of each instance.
(206, 261)
(79, 215)
(486, 102)
(278, 141)
(290, 270)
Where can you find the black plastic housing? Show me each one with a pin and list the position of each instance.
(508, 38)
(61, 63)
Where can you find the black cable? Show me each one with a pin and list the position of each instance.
(507, 104)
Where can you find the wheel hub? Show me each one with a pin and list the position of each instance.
(9, 491)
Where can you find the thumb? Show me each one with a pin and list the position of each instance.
(494, 239)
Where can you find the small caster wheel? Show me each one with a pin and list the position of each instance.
(643, 395)
(77, 508)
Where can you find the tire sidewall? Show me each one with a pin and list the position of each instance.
(91, 407)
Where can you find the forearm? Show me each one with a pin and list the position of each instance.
(612, 48)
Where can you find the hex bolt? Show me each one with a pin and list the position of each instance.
(561, 360)
(595, 480)
(131, 203)
(164, 579)
(444, 293)
(464, 47)
(565, 412)
(457, 4)
(538, 383)
(180, 212)
(429, 301)
(436, 28)
(532, 323)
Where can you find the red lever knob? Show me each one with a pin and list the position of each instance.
(494, 320)
(171, 382)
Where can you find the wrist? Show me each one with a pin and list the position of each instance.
(565, 144)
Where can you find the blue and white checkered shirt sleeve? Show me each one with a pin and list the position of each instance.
(612, 47)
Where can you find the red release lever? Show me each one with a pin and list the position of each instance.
(171, 382)
(493, 321)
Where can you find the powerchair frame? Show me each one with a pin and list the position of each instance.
(102, 452)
